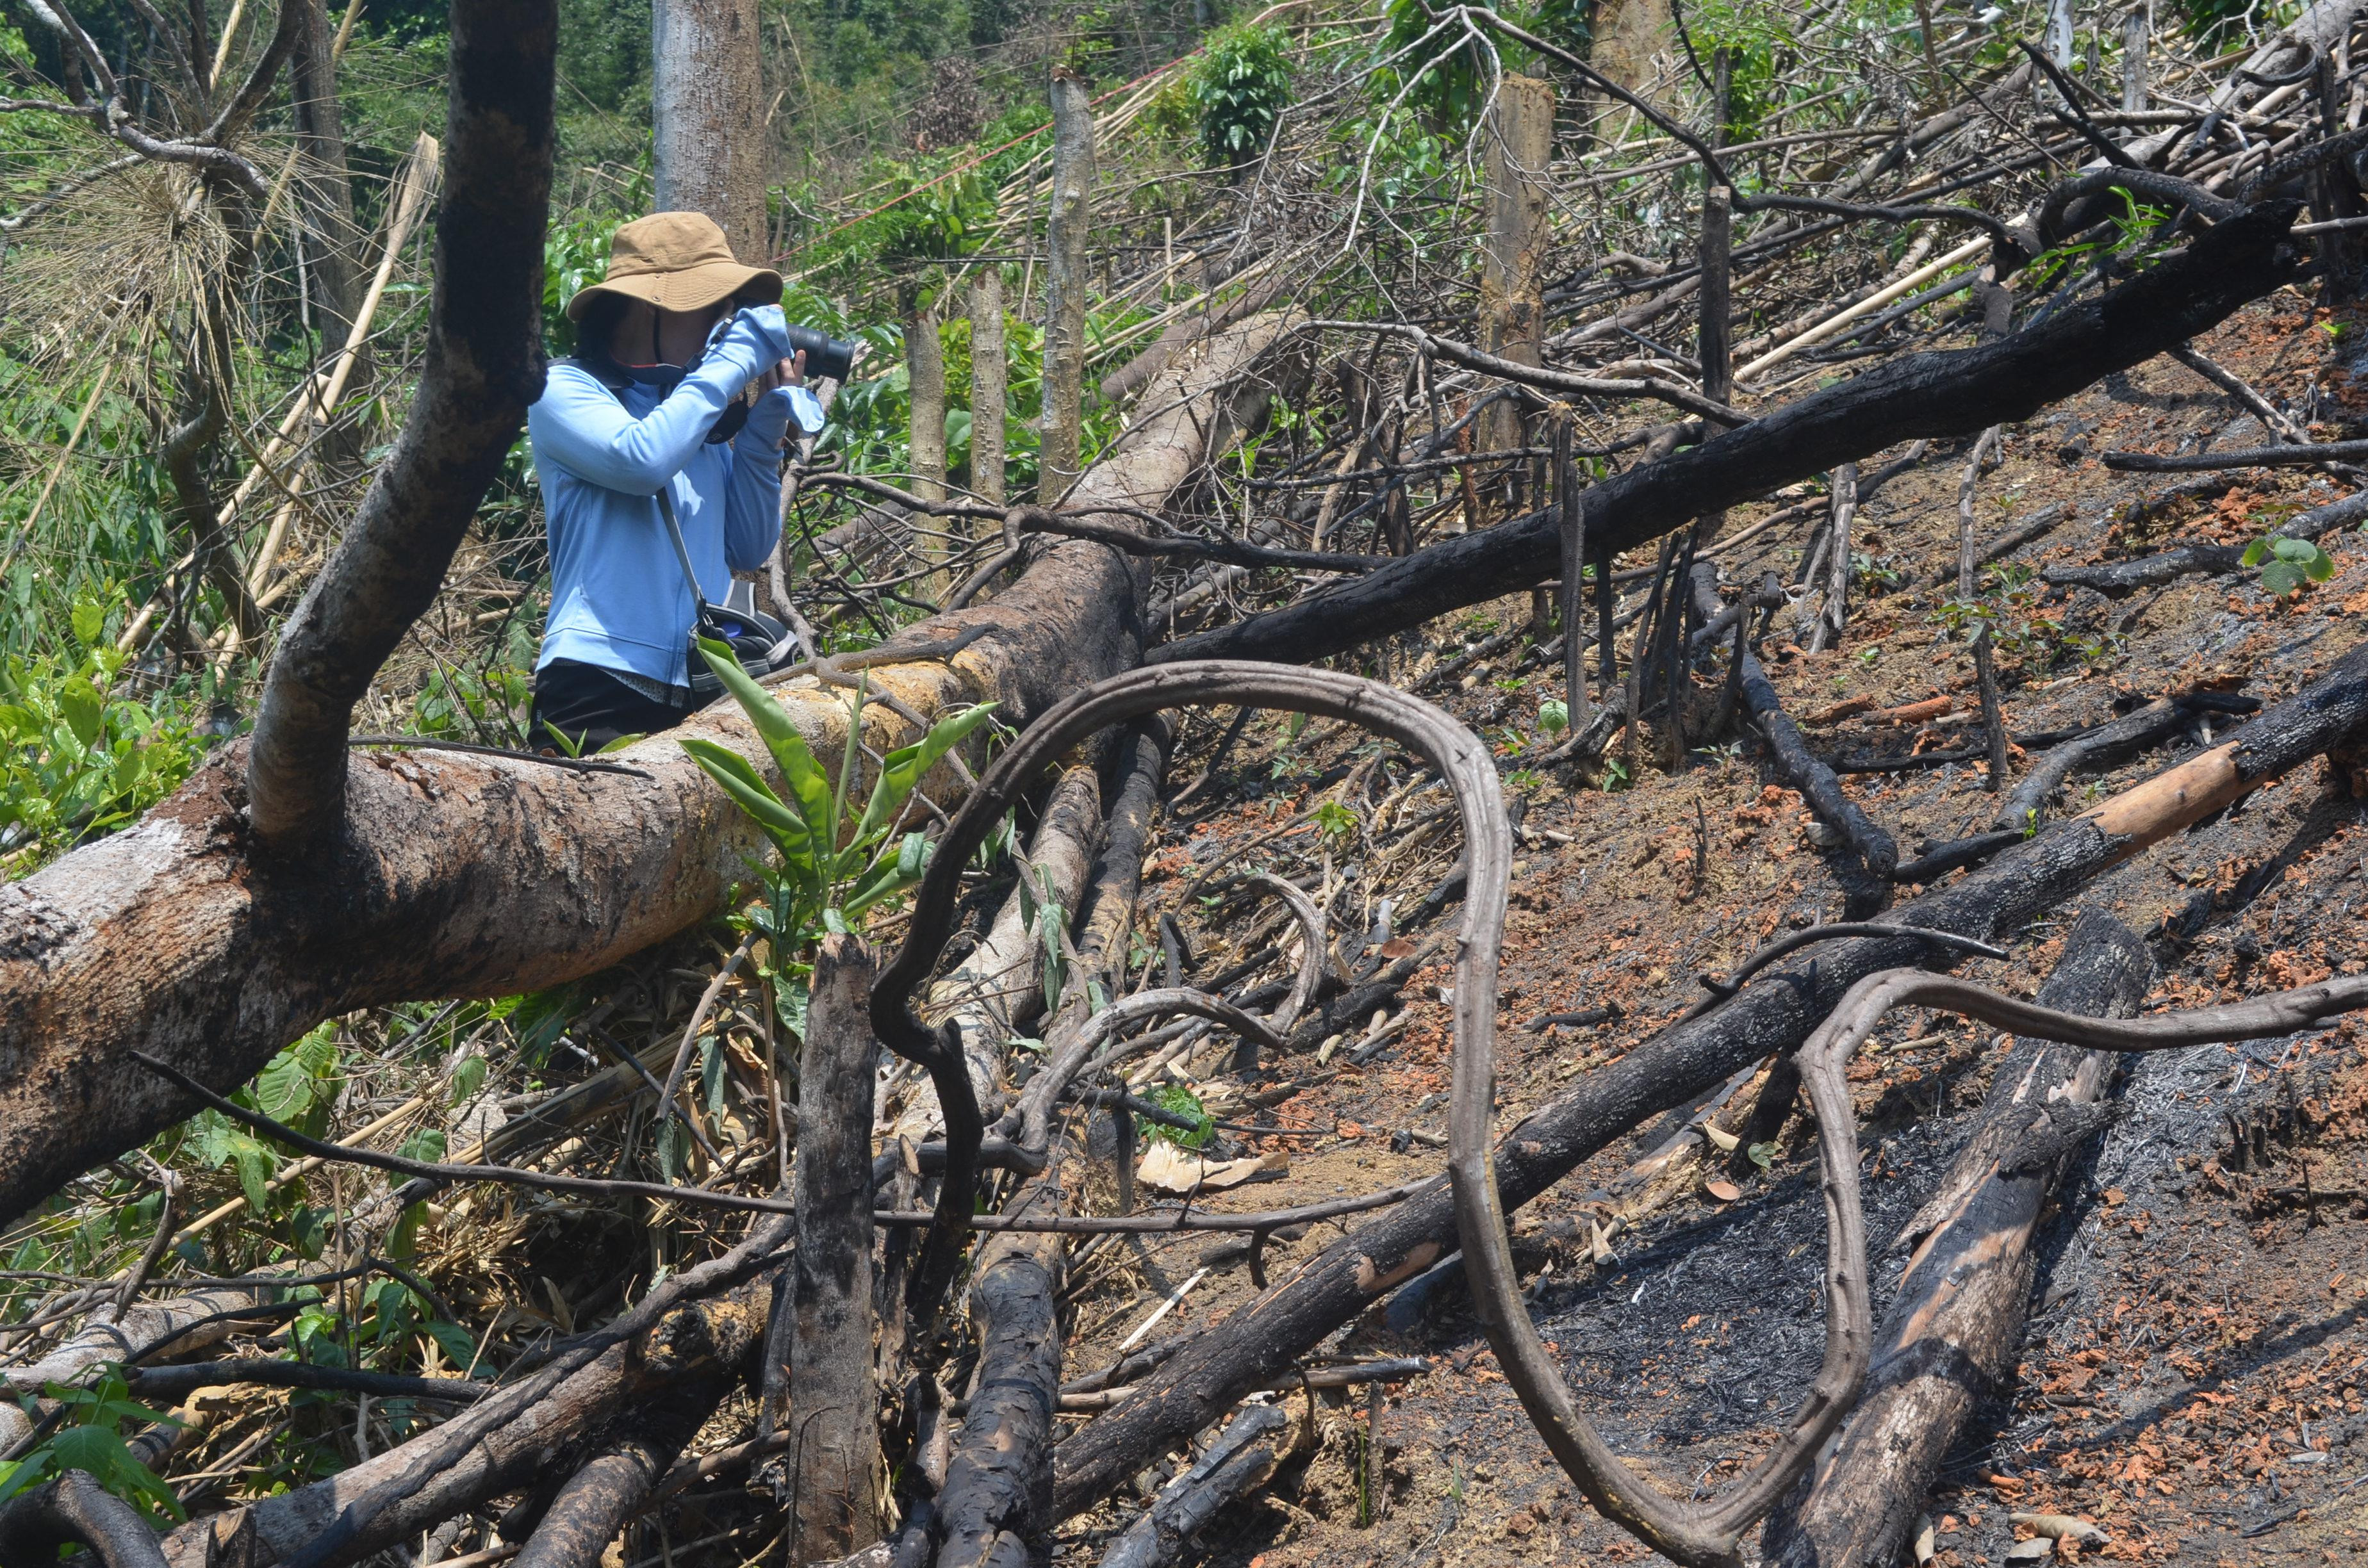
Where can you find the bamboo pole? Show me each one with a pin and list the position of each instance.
(417, 179)
(1867, 306)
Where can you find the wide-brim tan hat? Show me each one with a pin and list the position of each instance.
(677, 261)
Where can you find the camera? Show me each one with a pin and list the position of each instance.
(827, 356)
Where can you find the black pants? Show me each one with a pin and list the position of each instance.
(591, 707)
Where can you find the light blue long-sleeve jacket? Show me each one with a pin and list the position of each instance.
(618, 597)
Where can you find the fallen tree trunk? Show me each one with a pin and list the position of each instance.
(1953, 1330)
(75, 1510)
(471, 876)
(2167, 567)
(995, 1503)
(1923, 395)
(1240, 1460)
(1774, 1014)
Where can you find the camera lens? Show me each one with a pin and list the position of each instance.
(827, 356)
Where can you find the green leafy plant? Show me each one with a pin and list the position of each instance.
(1875, 574)
(2288, 563)
(77, 757)
(2011, 604)
(1178, 1101)
(1238, 89)
(1554, 716)
(91, 1441)
(833, 865)
(1336, 823)
(297, 1086)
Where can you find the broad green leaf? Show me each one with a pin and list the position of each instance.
(84, 709)
(902, 770)
(882, 881)
(790, 998)
(808, 784)
(459, 1345)
(712, 1076)
(849, 763)
(789, 829)
(293, 1082)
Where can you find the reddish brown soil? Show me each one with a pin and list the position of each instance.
(2193, 1380)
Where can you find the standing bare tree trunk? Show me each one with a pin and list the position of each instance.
(327, 187)
(1628, 34)
(1833, 616)
(707, 98)
(835, 1458)
(988, 382)
(1520, 143)
(924, 362)
(1985, 668)
(2134, 30)
(925, 367)
(1573, 503)
(327, 184)
(1064, 287)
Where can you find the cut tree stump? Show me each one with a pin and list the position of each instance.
(834, 1412)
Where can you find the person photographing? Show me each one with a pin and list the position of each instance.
(658, 449)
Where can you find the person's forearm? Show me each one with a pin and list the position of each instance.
(588, 432)
(752, 504)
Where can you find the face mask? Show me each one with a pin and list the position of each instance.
(666, 378)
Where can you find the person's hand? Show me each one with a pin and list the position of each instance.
(790, 372)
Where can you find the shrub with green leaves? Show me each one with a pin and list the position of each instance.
(1238, 89)
(78, 757)
(91, 1440)
(2288, 563)
(296, 1088)
(830, 866)
(1178, 1101)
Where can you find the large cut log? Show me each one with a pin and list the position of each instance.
(1915, 396)
(467, 876)
(1773, 1014)
(1953, 1330)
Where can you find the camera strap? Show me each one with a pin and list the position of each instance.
(763, 644)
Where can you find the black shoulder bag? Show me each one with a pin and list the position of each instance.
(763, 644)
